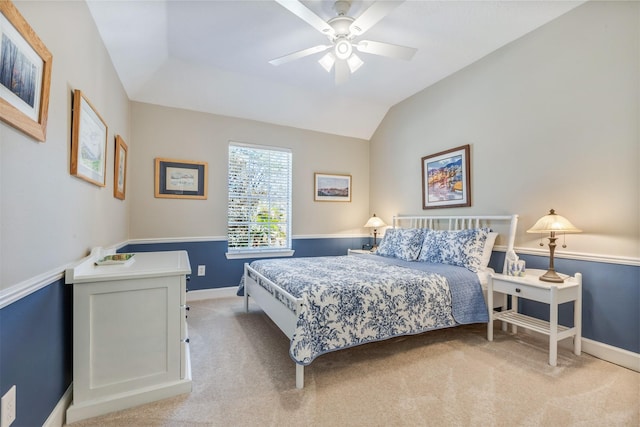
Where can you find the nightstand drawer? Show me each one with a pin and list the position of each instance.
(521, 290)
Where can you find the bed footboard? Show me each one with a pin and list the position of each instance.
(284, 317)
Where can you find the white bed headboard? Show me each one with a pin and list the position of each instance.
(505, 225)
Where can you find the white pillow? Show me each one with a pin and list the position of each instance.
(487, 250)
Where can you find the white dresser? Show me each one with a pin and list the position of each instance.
(130, 342)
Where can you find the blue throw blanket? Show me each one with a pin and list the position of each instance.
(467, 300)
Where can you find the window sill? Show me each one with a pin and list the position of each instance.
(260, 254)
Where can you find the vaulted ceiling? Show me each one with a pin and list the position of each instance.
(213, 56)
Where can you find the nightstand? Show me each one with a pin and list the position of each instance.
(532, 288)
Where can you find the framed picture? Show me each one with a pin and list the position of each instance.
(180, 179)
(88, 141)
(332, 188)
(120, 169)
(25, 74)
(446, 179)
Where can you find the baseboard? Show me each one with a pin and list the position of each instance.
(58, 416)
(618, 356)
(78, 411)
(202, 294)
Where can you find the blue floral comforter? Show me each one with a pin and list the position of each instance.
(352, 300)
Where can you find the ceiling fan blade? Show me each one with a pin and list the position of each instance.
(342, 71)
(386, 49)
(372, 16)
(304, 13)
(299, 54)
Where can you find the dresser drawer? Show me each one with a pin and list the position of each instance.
(521, 290)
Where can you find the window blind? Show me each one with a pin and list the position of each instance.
(259, 209)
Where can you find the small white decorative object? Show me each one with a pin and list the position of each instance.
(515, 266)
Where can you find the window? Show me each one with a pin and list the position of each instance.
(259, 210)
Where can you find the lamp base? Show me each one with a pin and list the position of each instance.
(551, 276)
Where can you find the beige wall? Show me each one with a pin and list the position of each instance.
(187, 135)
(552, 120)
(47, 217)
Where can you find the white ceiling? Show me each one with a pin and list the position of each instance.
(212, 55)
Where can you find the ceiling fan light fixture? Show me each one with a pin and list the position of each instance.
(343, 49)
(342, 31)
(327, 61)
(354, 63)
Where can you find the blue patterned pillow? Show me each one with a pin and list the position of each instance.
(463, 248)
(402, 243)
(430, 251)
(388, 243)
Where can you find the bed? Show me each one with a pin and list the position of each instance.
(429, 272)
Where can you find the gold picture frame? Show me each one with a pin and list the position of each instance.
(25, 74)
(180, 179)
(120, 169)
(332, 187)
(88, 141)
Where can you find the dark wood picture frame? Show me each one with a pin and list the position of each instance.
(446, 179)
(180, 179)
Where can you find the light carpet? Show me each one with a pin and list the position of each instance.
(243, 376)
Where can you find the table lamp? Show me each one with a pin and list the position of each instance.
(552, 223)
(375, 223)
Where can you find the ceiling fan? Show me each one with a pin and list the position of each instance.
(342, 31)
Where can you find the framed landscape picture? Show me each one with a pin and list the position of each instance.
(446, 179)
(332, 188)
(180, 179)
(88, 142)
(120, 169)
(25, 74)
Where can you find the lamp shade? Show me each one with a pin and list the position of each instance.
(553, 223)
(374, 222)
(354, 62)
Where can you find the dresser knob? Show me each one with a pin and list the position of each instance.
(186, 340)
(518, 290)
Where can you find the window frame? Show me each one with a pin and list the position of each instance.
(266, 252)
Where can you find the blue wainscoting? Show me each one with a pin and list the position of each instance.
(36, 349)
(610, 299)
(611, 292)
(222, 272)
(36, 345)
